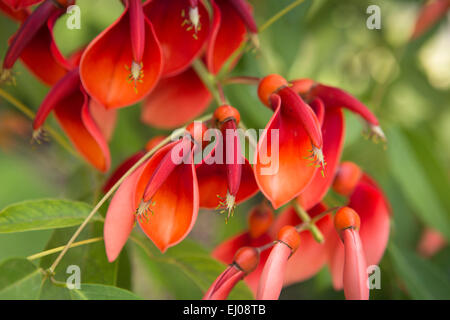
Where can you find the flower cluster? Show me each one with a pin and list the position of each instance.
(150, 54)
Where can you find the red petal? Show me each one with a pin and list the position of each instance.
(310, 255)
(430, 13)
(226, 250)
(175, 203)
(19, 15)
(227, 35)
(104, 63)
(221, 287)
(295, 171)
(333, 132)
(106, 119)
(355, 267)
(271, 281)
(20, 4)
(74, 116)
(119, 220)
(176, 100)
(179, 45)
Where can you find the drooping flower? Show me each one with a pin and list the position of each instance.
(161, 195)
(244, 262)
(73, 107)
(347, 223)
(290, 149)
(34, 44)
(183, 95)
(327, 103)
(373, 209)
(272, 277)
(125, 58)
(225, 173)
(259, 222)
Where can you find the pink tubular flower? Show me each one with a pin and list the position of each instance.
(347, 224)
(259, 222)
(244, 262)
(161, 195)
(272, 277)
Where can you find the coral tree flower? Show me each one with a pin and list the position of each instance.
(73, 109)
(271, 281)
(15, 14)
(161, 195)
(431, 12)
(327, 103)
(290, 149)
(367, 199)
(34, 43)
(347, 224)
(245, 261)
(181, 97)
(259, 221)
(225, 173)
(125, 58)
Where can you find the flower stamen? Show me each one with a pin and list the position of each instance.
(192, 21)
(39, 136)
(7, 77)
(143, 210)
(136, 74)
(227, 204)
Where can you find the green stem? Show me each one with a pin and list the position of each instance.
(208, 79)
(318, 236)
(279, 14)
(58, 249)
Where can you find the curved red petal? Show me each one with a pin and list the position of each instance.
(180, 42)
(105, 118)
(174, 206)
(74, 116)
(355, 267)
(106, 62)
(222, 286)
(310, 256)
(226, 250)
(284, 173)
(333, 132)
(176, 100)
(120, 217)
(227, 35)
(430, 14)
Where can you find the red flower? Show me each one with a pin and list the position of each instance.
(74, 111)
(225, 173)
(162, 195)
(19, 14)
(125, 58)
(35, 45)
(259, 222)
(20, 4)
(290, 145)
(184, 96)
(244, 262)
(431, 12)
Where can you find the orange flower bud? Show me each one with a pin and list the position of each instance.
(346, 218)
(260, 220)
(347, 177)
(289, 236)
(197, 131)
(226, 112)
(246, 259)
(269, 85)
(302, 86)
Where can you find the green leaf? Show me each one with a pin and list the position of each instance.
(42, 214)
(19, 279)
(191, 265)
(422, 279)
(101, 292)
(415, 184)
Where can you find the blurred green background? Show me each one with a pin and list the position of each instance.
(406, 84)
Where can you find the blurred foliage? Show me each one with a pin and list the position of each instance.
(405, 83)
